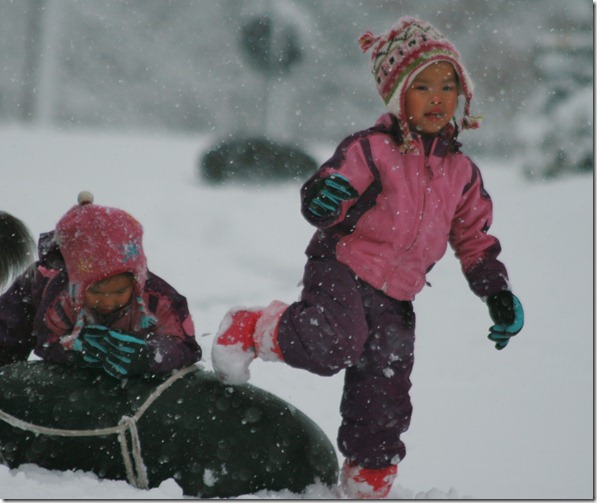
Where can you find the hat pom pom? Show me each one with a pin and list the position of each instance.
(85, 197)
(366, 40)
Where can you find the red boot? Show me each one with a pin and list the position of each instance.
(243, 335)
(366, 483)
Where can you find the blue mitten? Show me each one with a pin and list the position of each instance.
(121, 355)
(91, 344)
(324, 197)
(506, 312)
(129, 355)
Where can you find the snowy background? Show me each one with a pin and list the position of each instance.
(121, 97)
(486, 424)
(184, 65)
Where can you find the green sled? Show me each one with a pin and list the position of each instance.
(215, 440)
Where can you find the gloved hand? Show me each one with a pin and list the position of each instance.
(87, 344)
(506, 312)
(325, 196)
(120, 354)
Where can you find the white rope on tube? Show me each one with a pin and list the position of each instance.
(137, 477)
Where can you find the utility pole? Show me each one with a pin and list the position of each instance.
(40, 62)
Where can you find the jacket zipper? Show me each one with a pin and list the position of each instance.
(427, 177)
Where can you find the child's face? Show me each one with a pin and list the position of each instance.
(110, 294)
(432, 98)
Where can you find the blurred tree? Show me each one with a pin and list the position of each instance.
(176, 64)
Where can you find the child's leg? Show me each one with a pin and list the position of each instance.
(326, 330)
(376, 405)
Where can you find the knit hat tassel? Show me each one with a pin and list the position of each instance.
(407, 145)
(471, 122)
(147, 321)
(68, 341)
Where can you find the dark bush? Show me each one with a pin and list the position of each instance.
(256, 160)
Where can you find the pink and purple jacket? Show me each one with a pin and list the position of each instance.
(37, 314)
(410, 206)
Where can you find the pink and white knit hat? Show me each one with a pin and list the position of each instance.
(97, 242)
(400, 54)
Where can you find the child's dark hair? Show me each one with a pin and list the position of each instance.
(17, 247)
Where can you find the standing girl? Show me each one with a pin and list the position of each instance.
(386, 205)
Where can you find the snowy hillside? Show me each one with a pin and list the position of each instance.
(515, 424)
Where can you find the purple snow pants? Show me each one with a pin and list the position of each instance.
(340, 323)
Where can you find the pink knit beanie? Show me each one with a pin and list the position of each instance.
(400, 54)
(98, 242)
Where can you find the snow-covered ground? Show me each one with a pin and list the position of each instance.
(515, 424)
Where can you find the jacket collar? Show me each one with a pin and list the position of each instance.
(446, 138)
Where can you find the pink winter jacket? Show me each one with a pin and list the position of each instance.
(410, 206)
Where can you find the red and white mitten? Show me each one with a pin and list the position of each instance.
(366, 483)
(243, 335)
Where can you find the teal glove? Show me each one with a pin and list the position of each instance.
(325, 196)
(506, 312)
(120, 354)
(88, 344)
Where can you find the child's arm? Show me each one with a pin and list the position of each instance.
(173, 337)
(334, 188)
(165, 346)
(124, 355)
(476, 249)
(17, 312)
(173, 352)
(326, 195)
